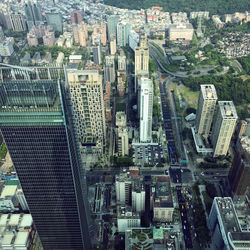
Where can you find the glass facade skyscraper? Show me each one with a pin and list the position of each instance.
(36, 123)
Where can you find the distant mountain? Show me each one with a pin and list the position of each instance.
(213, 6)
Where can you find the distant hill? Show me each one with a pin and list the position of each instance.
(213, 6)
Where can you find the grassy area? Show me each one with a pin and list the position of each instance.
(3, 150)
(190, 96)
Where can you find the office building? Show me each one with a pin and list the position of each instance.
(33, 14)
(239, 175)
(122, 133)
(226, 232)
(86, 91)
(127, 219)
(223, 128)
(138, 196)
(76, 17)
(146, 109)
(123, 30)
(112, 46)
(162, 200)
(109, 69)
(133, 39)
(205, 110)
(181, 31)
(123, 187)
(22, 200)
(97, 57)
(16, 21)
(112, 22)
(54, 20)
(141, 58)
(40, 137)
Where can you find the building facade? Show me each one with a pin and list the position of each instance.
(146, 109)
(76, 17)
(112, 25)
(40, 138)
(33, 14)
(88, 104)
(223, 128)
(123, 187)
(205, 110)
(109, 69)
(54, 20)
(180, 32)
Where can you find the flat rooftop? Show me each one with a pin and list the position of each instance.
(227, 110)
(208, 92)
(228, 214)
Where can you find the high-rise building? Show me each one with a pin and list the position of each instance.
(76, 17)
(86, 91)
(112, 25)
(226, 231)
(223, 128)
(80, 33)
(146, 109)
(122, 63)
(54, 20)
(2, 36)
(141, 58)
(16, 21)
(6, 48)
(123, 187)
(239, 175)
(138, 196)
(205, 109)
(123, 30)
(109, 69)
(36, 123)
(104, 34)
(112, 45)
(122, 133)
(97, 57)
(49, 38)
(33, 14)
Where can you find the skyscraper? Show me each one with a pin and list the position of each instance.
(141, 58)
(223, 128)
(109, 69)
(76, 17)
(112, 25)
(88, 105)
(33, 14)
(97, 58)
(54, 20)
(239, 175)
(205, 109)
(123, 30)
(36, 123)
(146, 109)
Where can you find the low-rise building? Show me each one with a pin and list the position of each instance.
(126, 218)
(163, 204)
(181, 31)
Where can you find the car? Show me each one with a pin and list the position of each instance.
(182, 214)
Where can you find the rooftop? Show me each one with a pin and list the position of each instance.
(125, 212)
(227, 109)
(8, 190)
(209, 92)
(21, 239)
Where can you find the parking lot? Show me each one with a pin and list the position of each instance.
(151, 154)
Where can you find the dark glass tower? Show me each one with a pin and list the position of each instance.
(35, 120)
(33, 14)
